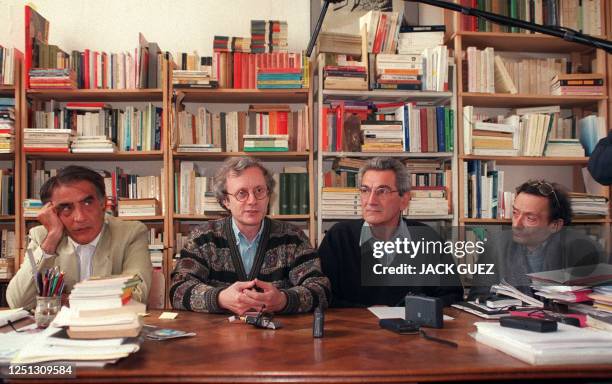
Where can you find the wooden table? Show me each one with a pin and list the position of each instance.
(354, 349)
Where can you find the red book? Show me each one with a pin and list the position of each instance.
(104, 70)
(282, 120)
(339, 125)
(253, 70)
(237, 65)
(382, 24)
(423, 126)
(244, 70)
(96, 56)
(86, 65)
(325, 142)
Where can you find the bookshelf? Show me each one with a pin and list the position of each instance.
(12, 160)
(325, 158)
(155, 159)
(229, 100)
(566, 170)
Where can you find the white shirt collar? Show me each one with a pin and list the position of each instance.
(93, 243)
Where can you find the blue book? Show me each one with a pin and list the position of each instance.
(440, 128)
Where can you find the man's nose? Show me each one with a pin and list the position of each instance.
(78, 214)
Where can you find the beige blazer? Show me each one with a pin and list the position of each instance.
(122, 249)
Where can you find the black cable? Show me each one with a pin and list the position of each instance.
(438, 340)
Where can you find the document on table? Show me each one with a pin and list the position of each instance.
(394, 312)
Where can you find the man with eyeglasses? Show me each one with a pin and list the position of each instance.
(347, 251)
(540, 240)
(247, 261)
(80, 239)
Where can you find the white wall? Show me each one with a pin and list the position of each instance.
(185, 25)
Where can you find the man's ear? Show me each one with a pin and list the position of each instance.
(557, 225)
(404, 200)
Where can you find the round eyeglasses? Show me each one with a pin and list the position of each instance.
(242, 195)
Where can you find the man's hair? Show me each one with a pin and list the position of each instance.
(234, 166)
(402, 175)
(72, 174)
(559, 203)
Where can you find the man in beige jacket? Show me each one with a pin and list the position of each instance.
(78, 238)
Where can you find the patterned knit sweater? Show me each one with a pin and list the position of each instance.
(210, 262)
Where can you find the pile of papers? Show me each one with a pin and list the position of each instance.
(569, 345)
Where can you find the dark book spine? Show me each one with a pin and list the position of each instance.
(294, 204)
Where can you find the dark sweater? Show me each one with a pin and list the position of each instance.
(341, 259)
(563, 249)
(210, 262)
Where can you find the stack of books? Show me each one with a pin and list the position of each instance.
(279, 78)
(584, 204)
(340, 43)
(602, 299)
(31, 207)
(266, 143)
(92, 144)
(577, 84)
(46, 139)
(156, 251)
(7, 264)
(340, 203)
(382, 136)
(398, 72)
(498, 139)
(103, 308)
(481, 74)
(416, 39)
(343, 72)
(428, 201)
(269, 36)
(193, 75)
(7, 125)
(564, 148)
(7, 66)
(138, 207)
(53, 79)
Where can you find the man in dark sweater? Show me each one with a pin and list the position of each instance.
(540, 240)
(348, 251)
(247, 261)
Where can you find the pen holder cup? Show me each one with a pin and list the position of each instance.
(46, 310)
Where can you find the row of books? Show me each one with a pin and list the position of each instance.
(7, 125)
(536, 131)
(7, 192)
(131, 129)
(483, 191)
(490, 73)
(261, 128)
(241, 70)
(193, 71)
(7, 66)
(398, 127)
(118, 185)
(579, 15)
(194, 196)
(51, 67)
(7, 253)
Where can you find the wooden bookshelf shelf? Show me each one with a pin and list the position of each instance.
(509, 221)
(117, 156)
(417, 218)
(97, 94)
(404, 155)
(213, 217)
(5, 218)
(528, 160)
(129, 218)
(501, 100)
(142, 218)
(244, 95)
(523, 42)
(220, 156)
(379, 94)
(3, 280)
